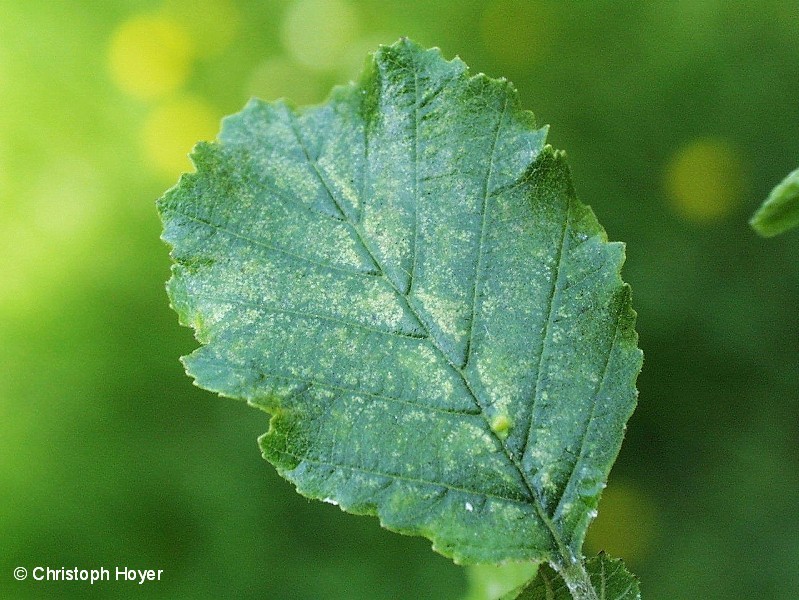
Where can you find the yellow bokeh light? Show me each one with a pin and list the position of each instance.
(627, 523)
(171, 131)
(704, 180)
(213, 24)
(280, 78)
(66, 202)
(517, 33)
(150, 56)
(318, 33)
(47, 242)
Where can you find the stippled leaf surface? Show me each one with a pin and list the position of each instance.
(609, 577)
(404, 279)
(780, 211)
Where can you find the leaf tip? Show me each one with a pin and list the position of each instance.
(761, 227)
(780, 211)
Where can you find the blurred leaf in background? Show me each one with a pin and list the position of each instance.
(780, 211)
(678, 118)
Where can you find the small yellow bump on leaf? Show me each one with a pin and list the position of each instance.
(172, 129)
(318, 33)
(501, 425)
(704, 180)
(150, 56)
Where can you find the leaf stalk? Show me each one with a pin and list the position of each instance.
(577, 580)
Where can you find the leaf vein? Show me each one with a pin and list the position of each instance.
(626, 590)
(483, 227)
(587, 425)
(548, 584)
(261, 244)
(553, 296)
(603, 579)
(310, 315)
(416, 198)
(354, 392)
(314, 166)
(448, 486)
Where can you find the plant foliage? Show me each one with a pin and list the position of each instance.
(609, 578)
(780, 211)
(405, 280)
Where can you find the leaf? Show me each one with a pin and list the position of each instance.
(609, 577)
(780, 211)
(404, 279)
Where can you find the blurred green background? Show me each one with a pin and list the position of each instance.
(678, 118)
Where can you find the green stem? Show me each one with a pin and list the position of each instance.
(577, 580)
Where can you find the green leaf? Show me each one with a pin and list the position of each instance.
(609, 577)
(780, 211)
(404, 279)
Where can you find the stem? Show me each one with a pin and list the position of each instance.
(577, 580)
